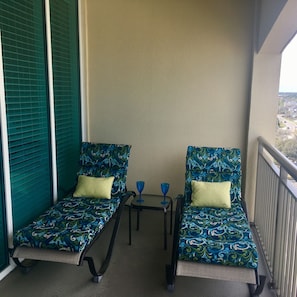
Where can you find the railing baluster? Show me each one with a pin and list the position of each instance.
(284, 245)
(294, 282)
(291, 250)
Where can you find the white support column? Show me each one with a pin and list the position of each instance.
(83, 72)
(51, 101)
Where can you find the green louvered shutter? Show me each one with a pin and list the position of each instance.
(26, 91)
(65, 53)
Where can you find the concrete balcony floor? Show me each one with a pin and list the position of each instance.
(136, 270)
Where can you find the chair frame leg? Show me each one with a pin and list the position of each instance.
(256, 290)
(170, 278)
(171, 268)
(98, 274)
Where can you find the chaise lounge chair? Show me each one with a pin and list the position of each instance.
(212, 236)
(66, 231)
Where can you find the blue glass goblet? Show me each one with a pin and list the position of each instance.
(140, 186)
(164, 188)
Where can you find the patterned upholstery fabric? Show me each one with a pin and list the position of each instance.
(70, 225)
(213, 165)
(74, 222)
(104, 160)
(216, 235)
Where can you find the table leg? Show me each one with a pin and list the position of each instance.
(129, 224)
(165, 229)
(171, 216)
(137, 226)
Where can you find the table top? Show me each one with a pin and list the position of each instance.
(151, 201)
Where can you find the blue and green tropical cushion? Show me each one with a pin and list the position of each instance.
(104, 160)
(216, 235)
(70, 225)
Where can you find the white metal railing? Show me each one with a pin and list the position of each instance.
(276, 216)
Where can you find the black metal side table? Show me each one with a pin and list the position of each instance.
(152, 202)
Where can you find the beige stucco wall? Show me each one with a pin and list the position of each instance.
(165, 74)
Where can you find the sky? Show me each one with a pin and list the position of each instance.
(288, 75)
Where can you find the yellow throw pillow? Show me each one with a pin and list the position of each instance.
(211, 194)
(94, 187)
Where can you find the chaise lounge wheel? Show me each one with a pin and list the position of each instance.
(97, 278)
(170, 287)
(26, 265)
(26, 270)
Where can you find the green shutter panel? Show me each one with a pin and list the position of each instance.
(25, 80)
(65, 54)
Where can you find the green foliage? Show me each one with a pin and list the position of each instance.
(288, 147)
(286, 128)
